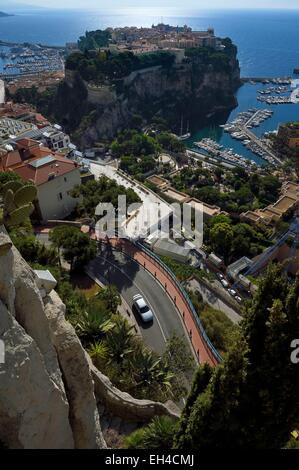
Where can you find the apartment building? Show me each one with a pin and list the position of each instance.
(290, 132)
(54, 176)
(288, 202)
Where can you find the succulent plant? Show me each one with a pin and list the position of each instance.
(17, 202)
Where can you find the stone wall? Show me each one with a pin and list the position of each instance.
(101, 95)
(125, 406)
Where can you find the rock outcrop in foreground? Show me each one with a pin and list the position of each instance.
(46, 388)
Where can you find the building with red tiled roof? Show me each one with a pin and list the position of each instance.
(54, 175)
(23, 112)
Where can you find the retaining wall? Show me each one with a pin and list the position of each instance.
(125, 406)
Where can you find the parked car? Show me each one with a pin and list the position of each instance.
(220, 276)
(238, 299)
(224, 283)
(142, 309)
(232, 292)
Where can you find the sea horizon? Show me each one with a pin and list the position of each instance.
(261, 50)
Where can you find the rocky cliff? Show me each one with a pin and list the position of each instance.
(46, 388)
(50, 392)
(189, 90)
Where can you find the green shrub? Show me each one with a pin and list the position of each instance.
(158, 434)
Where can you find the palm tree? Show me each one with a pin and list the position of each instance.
(111, 297)
(120, 340)
(98, 352)
(92, 325)
(148, 370)
(157, 435)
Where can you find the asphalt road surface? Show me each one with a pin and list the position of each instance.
(131, 279)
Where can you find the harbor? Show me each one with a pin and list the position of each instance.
(212, 149)
(29, 59)
(246, 131)
(275, 95)
(240, 127)
(267, 80)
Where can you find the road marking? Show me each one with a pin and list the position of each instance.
(140, 290)
(187, 337)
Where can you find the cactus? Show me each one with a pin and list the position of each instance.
(25, 195)
(18, 216)
(17, 202)
(13, 185)
(9, 200)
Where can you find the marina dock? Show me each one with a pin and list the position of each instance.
(240, 127)
(18, 44)
(266, 80)
(29, 59)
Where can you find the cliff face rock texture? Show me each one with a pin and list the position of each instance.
(84, 418)
(46, 390)
(49, 388)
(188, 90)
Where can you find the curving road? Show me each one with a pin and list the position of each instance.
(130, 279)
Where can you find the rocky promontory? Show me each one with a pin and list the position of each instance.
(94, 107)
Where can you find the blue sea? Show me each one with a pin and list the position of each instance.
(267, 41)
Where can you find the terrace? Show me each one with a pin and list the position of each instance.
(175, 195)
(208, 210)
(158, 181)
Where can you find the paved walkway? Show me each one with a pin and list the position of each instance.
(153, 207)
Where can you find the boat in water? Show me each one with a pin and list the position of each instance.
(187, 135)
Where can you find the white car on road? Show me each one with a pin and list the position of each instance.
(232, 292)
(142, 309)
(224, 283)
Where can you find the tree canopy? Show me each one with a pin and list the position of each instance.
(104, 65)
(102, 190)
(131, 142)
(94, 40)
(77, 248)
(251, 399)
(232, 241)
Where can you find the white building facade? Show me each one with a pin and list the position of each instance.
(54, 200)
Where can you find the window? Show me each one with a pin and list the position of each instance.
(65, 179)
(144, 309)
(60, 196)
